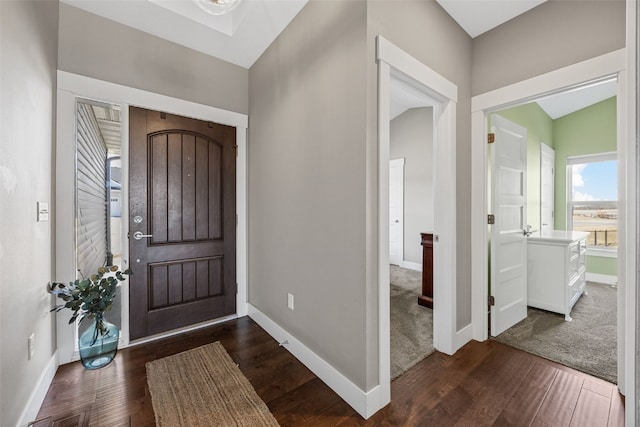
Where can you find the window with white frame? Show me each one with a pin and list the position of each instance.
(592, 199)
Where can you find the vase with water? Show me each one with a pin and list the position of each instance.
(98, 344)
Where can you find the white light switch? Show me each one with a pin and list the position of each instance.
(290, 301)
(43, 211)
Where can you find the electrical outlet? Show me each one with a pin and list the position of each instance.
(290, 301)
(31, 340)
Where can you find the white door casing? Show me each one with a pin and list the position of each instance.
(547, 184)
(621, 64)
(444, 94)
(508, 241)
(71, 86)
(396, 212)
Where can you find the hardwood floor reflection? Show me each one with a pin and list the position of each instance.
(482, 384)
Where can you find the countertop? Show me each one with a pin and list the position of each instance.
(558, 236)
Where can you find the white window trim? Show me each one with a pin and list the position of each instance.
(592, 158)
(601, 252)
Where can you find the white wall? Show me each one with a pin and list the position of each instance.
(28, 58)
(411, 136)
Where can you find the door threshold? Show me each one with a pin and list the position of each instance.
(182, 330)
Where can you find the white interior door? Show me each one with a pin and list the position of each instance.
(547, 183)
(508, 243)
(396, 211)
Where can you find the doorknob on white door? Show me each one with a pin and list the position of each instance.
(138, 235)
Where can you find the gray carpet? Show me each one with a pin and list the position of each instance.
(588, 343)
(411, 324)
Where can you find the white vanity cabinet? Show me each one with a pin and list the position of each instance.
(556, 270)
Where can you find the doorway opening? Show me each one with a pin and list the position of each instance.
(605, 67)
(70, 88)
(394, 63)
(411, 220)
(570, 304)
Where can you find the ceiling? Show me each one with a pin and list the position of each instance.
(479, 16)
(570, 101)
(108, 118)
(404, 96)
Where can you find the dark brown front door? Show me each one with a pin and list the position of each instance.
(182, 196)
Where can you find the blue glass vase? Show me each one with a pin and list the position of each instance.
(98, 344)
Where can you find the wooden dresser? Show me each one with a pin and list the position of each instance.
(426, 299)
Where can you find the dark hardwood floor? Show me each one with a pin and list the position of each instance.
(482, 384)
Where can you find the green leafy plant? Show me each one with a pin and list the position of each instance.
(89, 297)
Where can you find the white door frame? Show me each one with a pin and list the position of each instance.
(399, 163)
(601, 67)
(72, 86)
(444, 94)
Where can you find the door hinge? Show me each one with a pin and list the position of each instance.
(491, 219)
(491, 138)
(236, 220)
(492, 301)
(163, 115)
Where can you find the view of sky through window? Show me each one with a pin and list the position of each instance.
(595, 181)
(593, 196)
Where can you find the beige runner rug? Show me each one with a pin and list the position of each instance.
(204, 387)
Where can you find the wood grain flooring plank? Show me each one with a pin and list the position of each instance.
(524, 405)
(538, 423)
(293, 409)
(493, 384)
(599, 386)
(449, 410)
(484, 383)
(560, 402)
(592, 409)
(616, 410)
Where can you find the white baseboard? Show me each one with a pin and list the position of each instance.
(463, 336)
(365, 403)
(411, 265)
(602, 278)
(30, 411)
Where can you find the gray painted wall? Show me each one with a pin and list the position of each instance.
(97, 47)
(427, 32)
(313, 170)
(412, 139)
(28, 57)
(553, 35)
(307, 182)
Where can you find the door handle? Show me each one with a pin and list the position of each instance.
(138, 235)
